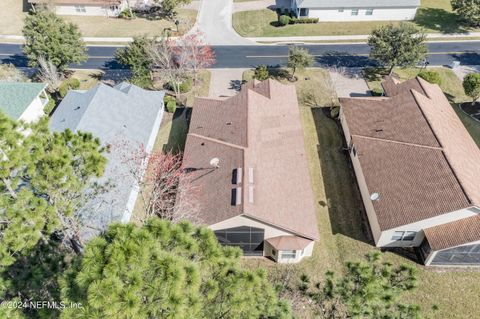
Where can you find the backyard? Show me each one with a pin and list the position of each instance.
(342, 236)
(434, 16)
(13, 12)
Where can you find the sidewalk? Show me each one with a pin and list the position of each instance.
(360, 37)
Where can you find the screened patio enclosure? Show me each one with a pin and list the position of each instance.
(458, 256)
(249, 239)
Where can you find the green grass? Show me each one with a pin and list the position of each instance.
(450, 85)
(472, 126)
(434, 16)
(338, 207)
(12, 16)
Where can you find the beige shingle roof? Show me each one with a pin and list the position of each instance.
(415, 152)
(288, 242)
(260, 131)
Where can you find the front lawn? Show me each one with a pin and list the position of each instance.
(435, 16)
(339, 206)
(13, 12)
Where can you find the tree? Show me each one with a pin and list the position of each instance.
(166, 189)
(43, 177)
(50, 36)
(170, 63)
(168, 6)
(261, 73)
(468, 10)
(298, 58)
(135, 55)
(401, 45)
(471, 85)
(193, 52)
(165, 270)
(370, 289)
(48, 73)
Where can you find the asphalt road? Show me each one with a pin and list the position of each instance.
(349, 55)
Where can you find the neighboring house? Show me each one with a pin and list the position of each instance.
(108, 8)
(418, 170)
(356, 10)
(248, 160)
(126, 119)
(23, 101)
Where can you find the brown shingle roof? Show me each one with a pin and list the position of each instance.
(268, 132)
(414, 152)
(288, 242)
(453, 234)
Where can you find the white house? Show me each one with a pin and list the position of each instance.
(418, 171)
(107, 8)
(23, 101)
(246, 156)
(356, 10)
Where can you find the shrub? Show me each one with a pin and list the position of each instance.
(186, 85)
(303, 20)
(471, 85)
(170, 103)
(142, 80)
(127, 14)
(431, 76)
(283, 20)
(69, 84)
(261, 73)
(377, 92)
(48, 108)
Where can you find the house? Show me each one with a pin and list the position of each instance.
(246, 156)
(418, 170)
(355, 10)
(23, 101)
(126, 119)
(108, 8)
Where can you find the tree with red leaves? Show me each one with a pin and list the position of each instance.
(194, 53)
(165, 188)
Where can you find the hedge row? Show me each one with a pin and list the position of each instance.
(285, 19)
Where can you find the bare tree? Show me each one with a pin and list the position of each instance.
(194, 52)
(165, 188)
(169, 63)
(49, 74)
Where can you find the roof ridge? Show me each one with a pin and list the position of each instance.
(419, 105)
(398, 142)
(214, 140)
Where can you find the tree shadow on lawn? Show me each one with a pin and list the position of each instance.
(178, 131)
(439, 20)
(345, 207)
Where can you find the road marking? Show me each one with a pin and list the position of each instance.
(353, 54)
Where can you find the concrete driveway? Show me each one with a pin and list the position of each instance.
(215, 21)
(349, 82)
(225, 82)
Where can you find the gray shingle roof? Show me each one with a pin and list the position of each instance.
(357, 3)
(124, 117)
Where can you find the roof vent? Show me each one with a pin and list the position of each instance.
(379, 130)
(214, 162)
(77, 108)
(229, 123)
(375, 197)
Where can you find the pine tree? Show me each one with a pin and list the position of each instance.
(368, 289)
(43, 177)
(49, 36)
(165, 270)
